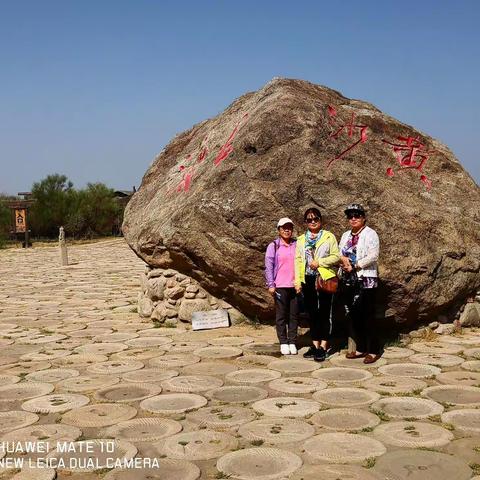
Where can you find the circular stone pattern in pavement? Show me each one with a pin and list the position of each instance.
(411, 370)
(96, 451)
(459, 378)
(396, 353)
(342, 376)
(345, 397)
(198, 445)
(437, 359)
(472, 353)
(6, 379)
(237, 394)
(173, 403)
(209, 368)
(191, 383)
(148, 342)
(341, 361)
(467, 449)
(342, 448)
(407, 407)
(52, 375)
(254, 361)
(46, 433)
(46, 354)
(35, 474)
(230, 341)
(24, 391)
(334, 472)
(127, 392)
(80, 360)
(394, 385)
(471, 365)
(167, 470)
(223, 353)
(140, 354)
(297, 385)
(413, 434)
(149, 375)
(275, 431)
(458, 395)
(144, 429)
(345, 419)
(262, 349)
(259, 464)
(293, 367)
(186, 347)
(436, 347)
(15, 420)
(101, 348)
(115, 337)
(221, 417)
(173, 360)
(286, 407)
(56, 403)
(252, 376)
(100, 415)
(466, 420)
(87, 383)
(411, 464)
(114, 367)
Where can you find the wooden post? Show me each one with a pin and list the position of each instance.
(63, 247)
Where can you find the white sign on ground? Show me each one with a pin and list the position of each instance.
(210, 319)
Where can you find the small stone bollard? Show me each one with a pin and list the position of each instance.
(63, 247)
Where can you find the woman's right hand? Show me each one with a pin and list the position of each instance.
(271, 291)
(346, 264)
(298, 290)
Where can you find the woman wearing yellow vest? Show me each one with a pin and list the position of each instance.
(316, 254)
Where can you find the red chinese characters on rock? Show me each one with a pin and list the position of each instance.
(410, 153)
(351, 129)
(227, 147)
(189, 171)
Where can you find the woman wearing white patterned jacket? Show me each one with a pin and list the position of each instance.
(359, 249)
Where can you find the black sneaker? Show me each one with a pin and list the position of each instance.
(319, 355)
(310, 353)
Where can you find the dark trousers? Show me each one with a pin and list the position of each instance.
(360, 308)
(318, 305)
(286, 314)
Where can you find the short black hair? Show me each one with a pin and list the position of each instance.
(313, 210)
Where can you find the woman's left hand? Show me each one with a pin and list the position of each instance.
(313, 265)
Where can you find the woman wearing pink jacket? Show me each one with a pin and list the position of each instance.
(279, 279)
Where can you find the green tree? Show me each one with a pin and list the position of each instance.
(94, 211)
(5, 219)
(54, 198)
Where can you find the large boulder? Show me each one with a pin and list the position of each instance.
(209, 203)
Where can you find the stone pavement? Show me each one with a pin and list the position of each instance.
(77, 365)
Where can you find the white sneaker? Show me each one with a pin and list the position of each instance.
(284, 349)
(293, 349)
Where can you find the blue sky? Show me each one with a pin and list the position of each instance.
(94, 89)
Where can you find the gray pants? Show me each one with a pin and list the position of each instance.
(286, 314)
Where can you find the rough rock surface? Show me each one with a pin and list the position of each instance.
(209, 203)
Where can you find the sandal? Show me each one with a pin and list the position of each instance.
(352, 355)
(371, 358)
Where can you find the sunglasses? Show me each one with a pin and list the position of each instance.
(354, 215)
(313, 220)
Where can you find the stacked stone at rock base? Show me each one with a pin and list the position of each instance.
(168, 296)
(209, 203)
